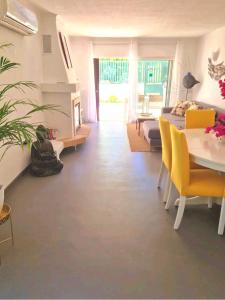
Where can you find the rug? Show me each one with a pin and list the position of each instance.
(137, 143)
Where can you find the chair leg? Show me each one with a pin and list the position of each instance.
(169, 197)
(210, 202)
(160, 175)
(167, 187)
(11, 227)
(222, 218)
(180, 212)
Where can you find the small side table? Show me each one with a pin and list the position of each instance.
(5, 215)
(141, 118)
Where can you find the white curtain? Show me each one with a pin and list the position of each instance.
(184, 62)
(133, 81)
(176, 75)
(91, 107)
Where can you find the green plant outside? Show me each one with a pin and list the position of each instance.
(152, 74)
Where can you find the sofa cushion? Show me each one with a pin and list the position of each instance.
(178, 121)
(182, 106)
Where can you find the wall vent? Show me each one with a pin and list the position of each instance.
(47, 43)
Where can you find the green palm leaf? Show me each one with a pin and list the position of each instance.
(6, 64)
(17, 130)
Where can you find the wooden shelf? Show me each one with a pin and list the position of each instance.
(80, 138)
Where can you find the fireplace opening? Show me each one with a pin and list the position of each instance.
(76, 115)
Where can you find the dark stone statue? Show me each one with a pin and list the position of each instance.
(44, 161)
(189, 81)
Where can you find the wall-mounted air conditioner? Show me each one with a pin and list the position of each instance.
(18, 17)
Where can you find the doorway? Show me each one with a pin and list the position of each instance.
(113, 88)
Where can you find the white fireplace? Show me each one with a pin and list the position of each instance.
(67, 97)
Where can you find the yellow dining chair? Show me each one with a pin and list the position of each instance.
(164, 127)
(192, 182)
(199, 118)
(166, 164)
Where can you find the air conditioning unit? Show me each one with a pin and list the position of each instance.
(18, 17)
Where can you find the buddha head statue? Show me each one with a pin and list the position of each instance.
(41, 133)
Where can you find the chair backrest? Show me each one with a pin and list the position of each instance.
(164, 127)
(180, 172)
(199, 118)
(155, 98)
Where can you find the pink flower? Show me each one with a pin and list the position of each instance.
(219, 127)
(208, 129)
(221, 117)
(222, 87)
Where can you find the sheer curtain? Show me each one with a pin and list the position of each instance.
(184, 62)
(133, 81)
(176, 75)
(91, 107)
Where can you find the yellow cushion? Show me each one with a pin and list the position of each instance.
(205, 183)
(200, 118)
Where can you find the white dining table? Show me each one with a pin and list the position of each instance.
(205, 149)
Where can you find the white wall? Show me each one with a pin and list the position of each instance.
(80, 54)
(54, 66)
(208, 91)
(35, 66)
(26, 51)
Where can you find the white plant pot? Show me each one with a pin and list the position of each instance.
(2, 193)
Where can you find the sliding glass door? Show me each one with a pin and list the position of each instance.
(154, 82)
(113, 96)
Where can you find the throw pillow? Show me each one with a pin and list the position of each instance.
(182, 106)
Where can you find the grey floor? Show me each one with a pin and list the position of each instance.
(99, 230)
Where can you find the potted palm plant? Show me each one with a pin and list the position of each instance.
(14, 129)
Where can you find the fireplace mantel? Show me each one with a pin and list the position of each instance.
(59, 87)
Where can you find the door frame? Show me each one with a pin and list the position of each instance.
(96, 75)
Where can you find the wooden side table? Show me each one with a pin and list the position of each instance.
(5, 215)
(141, 118)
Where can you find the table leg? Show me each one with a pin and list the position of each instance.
(139, 128)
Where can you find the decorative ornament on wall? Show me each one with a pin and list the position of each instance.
(217, 71)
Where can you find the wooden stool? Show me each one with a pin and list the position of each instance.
(5, 215)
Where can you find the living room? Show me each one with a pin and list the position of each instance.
(98, 228)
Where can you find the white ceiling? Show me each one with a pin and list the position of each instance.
(138, 18)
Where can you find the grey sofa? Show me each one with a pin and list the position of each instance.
(151, 128)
